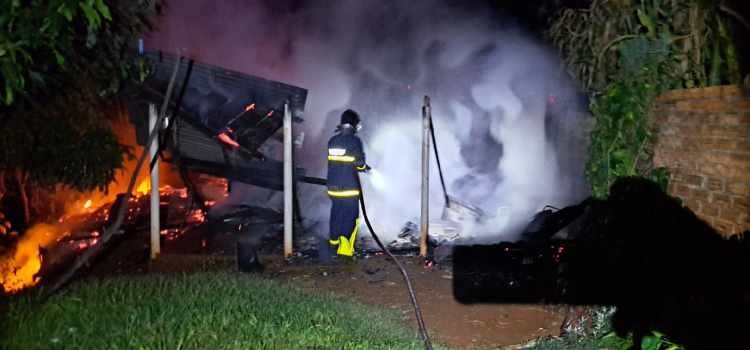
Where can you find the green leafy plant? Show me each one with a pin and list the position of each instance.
(622, 139)
(601, 336)
(658, 341)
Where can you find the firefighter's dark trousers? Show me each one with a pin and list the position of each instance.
(344, 222)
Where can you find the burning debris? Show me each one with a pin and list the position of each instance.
(221, 124)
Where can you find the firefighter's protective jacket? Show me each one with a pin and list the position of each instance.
(345, 153)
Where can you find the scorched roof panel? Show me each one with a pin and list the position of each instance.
(211, 99)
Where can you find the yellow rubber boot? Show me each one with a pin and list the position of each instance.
(346, 246)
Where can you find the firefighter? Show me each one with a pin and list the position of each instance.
(345, 157)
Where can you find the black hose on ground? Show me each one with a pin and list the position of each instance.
(417, 311)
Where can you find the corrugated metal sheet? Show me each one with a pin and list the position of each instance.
(213, 98)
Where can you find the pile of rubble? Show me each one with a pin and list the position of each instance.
(446, 232)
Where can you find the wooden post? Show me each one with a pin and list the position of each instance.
(425, 225)
(152, 125)
(288, 189)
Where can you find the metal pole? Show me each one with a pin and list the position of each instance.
(425, 175)
(152, 125)
(288, 190)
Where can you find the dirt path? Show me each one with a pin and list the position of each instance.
(376, 281)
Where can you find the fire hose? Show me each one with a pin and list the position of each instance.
(417, 311)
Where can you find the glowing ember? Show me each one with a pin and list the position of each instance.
(95, 233)
(408, 87)
(82, 245)
(198, 216)
(87, 205)
(95, 241)
(270, 113)
(163, 232)
(250, 107)
(203, 243)
(183, 193)
(224, 137)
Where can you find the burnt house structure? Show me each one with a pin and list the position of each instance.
(218, 120)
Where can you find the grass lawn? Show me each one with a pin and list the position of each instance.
(201, 311)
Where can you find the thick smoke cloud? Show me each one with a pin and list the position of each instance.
(488, 82)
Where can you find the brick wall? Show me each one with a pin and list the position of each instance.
(705, 140)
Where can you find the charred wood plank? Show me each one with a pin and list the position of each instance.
(194, 194)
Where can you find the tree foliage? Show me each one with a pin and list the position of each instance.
(42, 42)
(699, 32)
(61, 61)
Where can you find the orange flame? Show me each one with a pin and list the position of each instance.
(250, 107)
(25, 258)
(144, 187)
(87, 205)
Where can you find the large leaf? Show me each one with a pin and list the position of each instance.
(60, 59)
(91, 14)
(103, 9)
(650, 342)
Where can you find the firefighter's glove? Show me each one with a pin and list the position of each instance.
(365, 169)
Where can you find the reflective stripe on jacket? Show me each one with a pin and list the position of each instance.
(345, 153)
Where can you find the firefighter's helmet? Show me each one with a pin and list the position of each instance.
(350, 117)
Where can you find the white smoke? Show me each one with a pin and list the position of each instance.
(489, 85)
